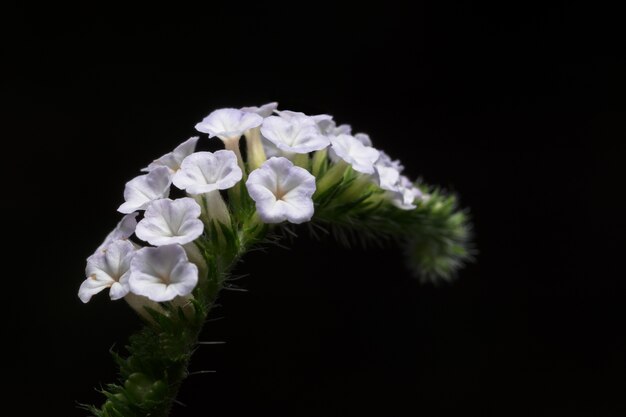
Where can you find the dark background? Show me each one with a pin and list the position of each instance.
(520, 110)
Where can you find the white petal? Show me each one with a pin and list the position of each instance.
(173, 159)
(385, 160)
(203, 172)
(124, 229)
(352, 151)
(319, 119)
(288, 114)
(143, 189)
(167, 222)
(387, 177)
(405, 194)
(364, 138)
(282, 191)
(162, 273)
(228, 123)
(92, 286)
(271, 149)
(328, 127)
(107, 268)
(265, 110)
(119, 290)
(297, 134)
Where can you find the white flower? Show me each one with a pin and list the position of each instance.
(264, 110)
(122, 231)
(386, 177)
(282, 191)
(162, 273)
(203, 172)
(168, 222)
(143, 189)
(387, 172)
(173, 159)
(298, 134)
(228, 124)
(352, 151)
(108, 268)
(405, 194)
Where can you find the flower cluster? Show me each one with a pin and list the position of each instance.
(290, 158)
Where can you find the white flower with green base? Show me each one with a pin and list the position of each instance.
(171, 265)
(203, 175)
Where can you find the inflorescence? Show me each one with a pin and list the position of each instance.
(308, 155)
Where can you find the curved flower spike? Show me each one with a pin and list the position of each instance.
(298, 134)
(352, 151)
(173, 159)
(228, 124)
(122, 231)
(141, 190)
(168, 222)
(162, 273)
(282, 191)
(108, 269)
(203, 172)
(264, 110)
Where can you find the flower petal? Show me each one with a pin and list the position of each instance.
(352, 151)
(162, 273)
(264, 110)
(298, 134)
(406, 194)
(143, 189)
(92, 286)
(173, 159)
(282, 191)
(107, 268)
(228, 123)
(168, 222)
(364, 138)
(386, 177)
(124, 229)
(203, 172)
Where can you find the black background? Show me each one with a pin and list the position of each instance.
(520, 110)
